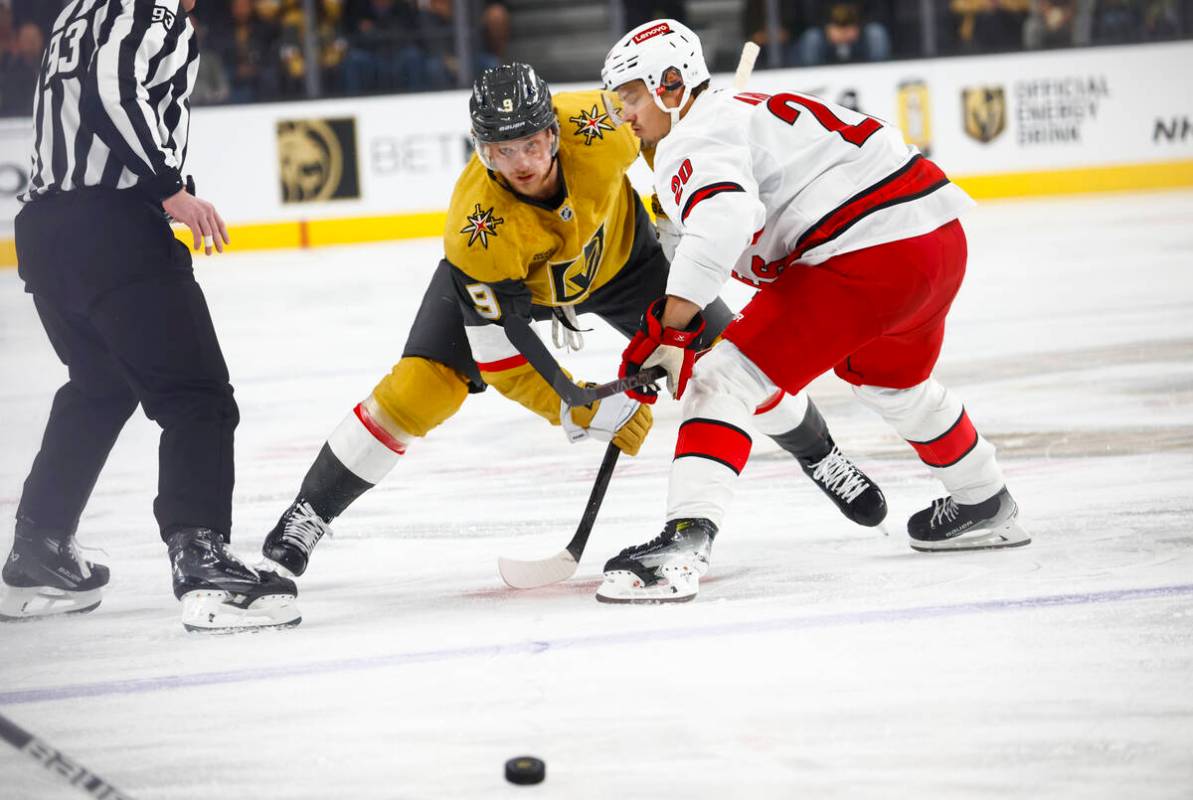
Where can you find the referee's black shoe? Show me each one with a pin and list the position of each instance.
(45, 575)
(222, 594)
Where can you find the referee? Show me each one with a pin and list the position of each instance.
(117, 297)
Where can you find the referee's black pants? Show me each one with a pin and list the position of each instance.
(118, 299)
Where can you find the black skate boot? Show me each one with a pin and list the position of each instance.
(667, 569)
(858, 497)
(45, 575)
(288, 546)
(949, 525)
(220, 593)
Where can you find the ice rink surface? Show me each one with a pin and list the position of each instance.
(820, 659)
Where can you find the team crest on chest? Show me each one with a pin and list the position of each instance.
(481, 225)
(591, 124)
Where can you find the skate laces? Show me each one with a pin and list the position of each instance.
(840, 476)
(304, 527)
(84, 566)
(944, 510)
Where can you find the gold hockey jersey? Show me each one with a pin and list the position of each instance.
(564, 254)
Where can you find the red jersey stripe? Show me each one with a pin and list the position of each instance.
(704, 192)
(915, 179)
(502, 364)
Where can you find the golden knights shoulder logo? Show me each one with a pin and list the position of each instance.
(317, 160)
(571, 280)
(984, 109)
(481, 225)
(591, 124)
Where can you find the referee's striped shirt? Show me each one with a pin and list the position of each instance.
(111, 105)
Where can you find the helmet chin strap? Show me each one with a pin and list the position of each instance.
(673, 113)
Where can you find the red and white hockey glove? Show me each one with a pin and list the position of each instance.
(653, 344)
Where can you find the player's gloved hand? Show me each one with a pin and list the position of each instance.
(653, 344)
(619, 419)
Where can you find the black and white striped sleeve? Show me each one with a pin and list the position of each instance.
(116, 96)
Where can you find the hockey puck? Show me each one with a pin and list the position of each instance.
(525, 770)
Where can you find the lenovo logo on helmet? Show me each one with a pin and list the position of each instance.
(650, 33)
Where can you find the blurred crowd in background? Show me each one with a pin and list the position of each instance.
(257, 50)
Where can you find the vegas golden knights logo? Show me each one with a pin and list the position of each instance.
(317, 160)
(571, 280)
(915, 115)
(985, 111)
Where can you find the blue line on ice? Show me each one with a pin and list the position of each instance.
(140, 685)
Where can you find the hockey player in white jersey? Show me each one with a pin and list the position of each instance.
(853, 239)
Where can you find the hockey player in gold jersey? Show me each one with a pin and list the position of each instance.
(543, 224)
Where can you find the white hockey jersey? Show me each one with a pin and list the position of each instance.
(759, 182)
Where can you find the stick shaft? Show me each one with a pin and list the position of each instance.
(595, 498)
(57, 763)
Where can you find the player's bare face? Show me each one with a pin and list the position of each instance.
(639, 109)
(528, 164)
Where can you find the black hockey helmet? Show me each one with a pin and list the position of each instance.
(510, 102)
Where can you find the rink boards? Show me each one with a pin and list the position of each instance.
(375, 169)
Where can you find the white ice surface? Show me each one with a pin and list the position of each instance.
(820, 660)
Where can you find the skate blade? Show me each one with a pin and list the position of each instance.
(206, 611)
(35, 602)
(267, 564)
(623, 587)
(1010, 534)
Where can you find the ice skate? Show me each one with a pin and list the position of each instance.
(949, 525)
(222, 594)
(850, 489)
(45, 575)
(287, 548)
(667, 569)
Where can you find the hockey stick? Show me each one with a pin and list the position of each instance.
(745, 65)
(562, 565)
(58, 763)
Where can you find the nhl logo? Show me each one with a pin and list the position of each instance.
(566, 213)
(985, 112)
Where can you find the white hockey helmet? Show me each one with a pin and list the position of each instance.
(646, 54)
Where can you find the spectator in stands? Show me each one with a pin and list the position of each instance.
(19, 68)
(850, 33)
(1059, 23)
(794, 17)
(382, 54)
(331, 46)
(1162, 19)
(1118, 21)
(639, 11)
(41, 13)
(211, 84)
(247, 50)
(989, 25)
(8, 32)
(436, 28)
(495, 31)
